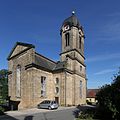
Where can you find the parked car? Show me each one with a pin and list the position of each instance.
(48, 104)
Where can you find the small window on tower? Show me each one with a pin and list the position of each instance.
(80, 42)
(80, 68)
(67, 37)
(81, 89)
(57, 81)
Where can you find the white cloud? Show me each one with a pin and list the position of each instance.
(103, 57)
(104, 72)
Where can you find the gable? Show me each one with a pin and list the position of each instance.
(19, 48)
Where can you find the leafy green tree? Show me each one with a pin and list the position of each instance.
(4, 83)
(109, 100)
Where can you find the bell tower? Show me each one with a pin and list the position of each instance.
(72, 37)
(72, 53)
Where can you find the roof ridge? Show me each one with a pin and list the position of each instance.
(25, 44)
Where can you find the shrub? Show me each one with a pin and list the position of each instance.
(108, 100)
(1, 111)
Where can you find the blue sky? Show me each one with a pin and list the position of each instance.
(38, 22)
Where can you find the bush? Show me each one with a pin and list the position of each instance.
(1, 111)
(108, 100)
(85, 115)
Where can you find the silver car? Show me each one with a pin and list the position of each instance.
(49, 104)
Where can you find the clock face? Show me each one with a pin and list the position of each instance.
(66, 27)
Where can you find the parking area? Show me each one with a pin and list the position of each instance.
(33, 111)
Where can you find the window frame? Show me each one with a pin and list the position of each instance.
(43, 86)
(81, 87)
(57, 89)
(18, 81)
(57, 81)
(67, 39)
(80, 42)
(81, 68)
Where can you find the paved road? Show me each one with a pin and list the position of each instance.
(60, 114)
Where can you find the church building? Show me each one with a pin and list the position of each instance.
(33, 77)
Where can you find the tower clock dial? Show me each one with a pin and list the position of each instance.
(66, 27)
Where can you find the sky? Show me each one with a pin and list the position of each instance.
(38, 22)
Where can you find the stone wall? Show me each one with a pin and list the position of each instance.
(22, 60)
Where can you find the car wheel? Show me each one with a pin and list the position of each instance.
(49, 108)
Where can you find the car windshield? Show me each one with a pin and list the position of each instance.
(47, 102)
(42, 102)
(53, 102)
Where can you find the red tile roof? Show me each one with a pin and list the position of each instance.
(91, 93)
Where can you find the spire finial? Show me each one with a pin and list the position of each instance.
(73, 12)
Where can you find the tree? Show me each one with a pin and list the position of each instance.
(4, 83)
(109, 99)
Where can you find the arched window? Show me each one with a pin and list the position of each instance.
(80, 89)
(43, 86)
(57, 81)
(67, 39)
(80, 43)
(57, 90)
(18, 81)
(80, 68)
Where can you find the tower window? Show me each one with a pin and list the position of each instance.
(80, 42)
(80, 89)
(67, 37)
(57, 81)
(80, 68)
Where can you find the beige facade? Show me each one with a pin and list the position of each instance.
(34, 78)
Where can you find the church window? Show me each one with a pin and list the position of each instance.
(80, 42)
(57, 81)
(80, 68)
(80, 89)
(18, 81)
(57, 90)
(67, 37)
(43, 86)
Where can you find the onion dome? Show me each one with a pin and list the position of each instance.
(72, 21)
